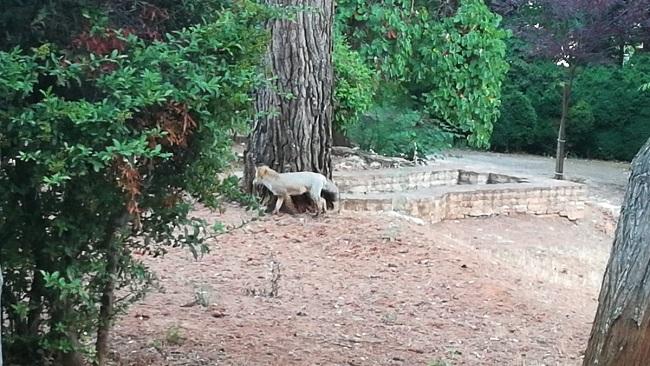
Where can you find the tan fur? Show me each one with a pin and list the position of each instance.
(285, 185)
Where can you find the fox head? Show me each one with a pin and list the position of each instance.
(262, 172)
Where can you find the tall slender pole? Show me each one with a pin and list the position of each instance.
(561, 135)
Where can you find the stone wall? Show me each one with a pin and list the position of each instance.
(412, 180)
(455, 194)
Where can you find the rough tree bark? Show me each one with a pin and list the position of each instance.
(1, 318)
(293, 130)
(621, 331)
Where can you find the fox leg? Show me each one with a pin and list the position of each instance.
(323, 205)
(316, 201)
(278, 204)
(288, 202)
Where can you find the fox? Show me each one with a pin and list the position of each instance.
(285, 185)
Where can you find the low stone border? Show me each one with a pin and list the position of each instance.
(436, 195)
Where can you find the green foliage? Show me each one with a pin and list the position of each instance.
(645, 87)
(467, 53)
(581, 124)
(515, 128)
(438, 363)
(173, 336)
(30, 23)
(390, 131)
(607, 118)
(382, 32)
(354, 85)
(621, 112)
(452, 66)
(229, 190)
(99, 156)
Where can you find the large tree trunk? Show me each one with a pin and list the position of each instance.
(1, 318)
(621, 330)
(293, 130)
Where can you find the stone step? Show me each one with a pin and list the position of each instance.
(409, 179)
(435, 195)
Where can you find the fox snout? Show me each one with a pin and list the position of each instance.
(258, 180)
(260, 172)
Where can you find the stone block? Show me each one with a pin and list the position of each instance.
(476, 213)
(520, 208)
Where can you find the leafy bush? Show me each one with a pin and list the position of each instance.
(452, 66)
(391, 131)
(607, 118)
(527, 85)
(102, 144)
(354, 85)
(382, 32)
(513, 131)
(467, 58)
(581, 125)
(621, 112)
(30, 23)
(621, 144)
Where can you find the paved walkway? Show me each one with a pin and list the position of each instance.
(606, 180)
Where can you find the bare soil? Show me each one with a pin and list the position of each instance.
(366, 289)
(373, 289)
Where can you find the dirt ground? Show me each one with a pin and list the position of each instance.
(370, 289)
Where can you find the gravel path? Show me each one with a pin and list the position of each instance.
(606, 180)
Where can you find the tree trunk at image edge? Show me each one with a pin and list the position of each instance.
(293, 127)
(1, 319)
(621, 331)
